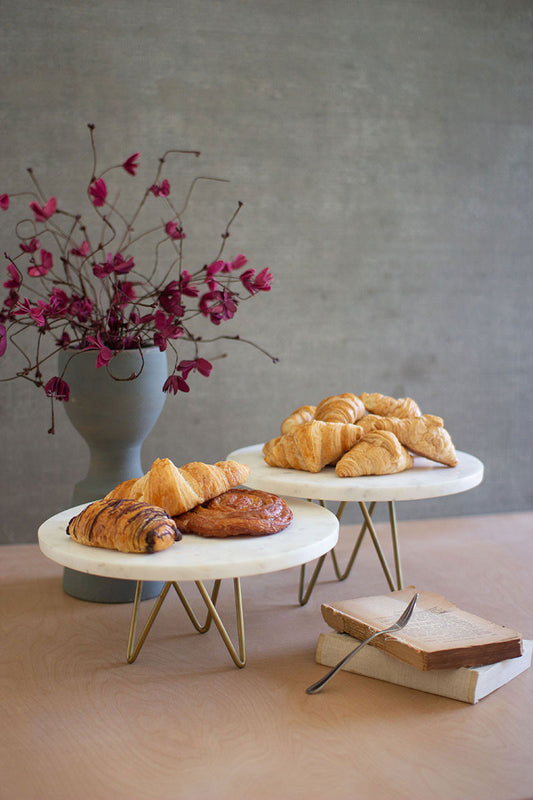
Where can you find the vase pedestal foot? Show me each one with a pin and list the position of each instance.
(97, 589)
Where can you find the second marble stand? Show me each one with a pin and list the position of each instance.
(425, 480)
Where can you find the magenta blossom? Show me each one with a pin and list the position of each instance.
(170, 299)
(124, 293)
(3, 340)
(203, 366)
(63, 341)
(35, 312)
(114, 263)
(132, 164)
(260, 283)
(173, 230)
(83, 250)
(161, 190)
(104, 353)
(16, 277)
(31, 247)
(218, 306)
(58, 389)
(175, 384)
(98, 192)
(58, 302)
(81, 308)
(4, 202)
(166, 329)
(42, 213)
(47, 262)
(186, 287)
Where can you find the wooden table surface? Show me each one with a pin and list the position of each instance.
(183, 722)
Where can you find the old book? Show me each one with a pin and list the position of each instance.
(468, 684)
(439, 635)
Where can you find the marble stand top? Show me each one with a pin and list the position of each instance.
(313, 531)
(426, 479)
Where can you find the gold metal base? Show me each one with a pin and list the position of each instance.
(238, 656)
(368, 525)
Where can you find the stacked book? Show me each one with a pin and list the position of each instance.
(442, 650)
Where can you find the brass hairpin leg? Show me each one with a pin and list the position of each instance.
(303, 596)
(133, 650)
(377, 545)
(342, 576)
(395, 545)
(239, 658)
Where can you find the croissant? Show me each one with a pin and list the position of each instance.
(385, 406)
(374, 422)
(340, 408)
(179, 489)
(377, 453)
(423, 435)
(311, 446)
(125, 525)
(298, 417)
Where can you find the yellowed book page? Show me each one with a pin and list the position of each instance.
(436, 625)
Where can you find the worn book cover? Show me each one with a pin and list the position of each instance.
(439, 635)
(466, 684)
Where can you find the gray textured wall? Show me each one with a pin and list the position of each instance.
(383, 150)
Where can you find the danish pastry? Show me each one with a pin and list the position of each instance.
(237, 512)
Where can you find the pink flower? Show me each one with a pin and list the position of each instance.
(42, 213)
(104, 353)
(214, 268)
(64, 340)
(166, 329)
(203, 366)
(114, 263)
(83, 250)
(218, 306)
(58, 389)
(47, 262)
(98, 192)
(3, 340)
(4, 202)
(31, 247)
(124, 293)
(132, 163)
(58, 302)
(35, 312)
(80, 307)
(175, 384)
(260, 283)
(170, 299)
(161, 190)
(186, 286)
(16, 277)
(173, 230)
(239, 262)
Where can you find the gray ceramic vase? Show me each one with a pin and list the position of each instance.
(114, 417)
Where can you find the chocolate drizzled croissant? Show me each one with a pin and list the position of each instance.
(126, 525)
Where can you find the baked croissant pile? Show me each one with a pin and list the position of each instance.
(369, 434)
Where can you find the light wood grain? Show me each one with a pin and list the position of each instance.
(182, 722)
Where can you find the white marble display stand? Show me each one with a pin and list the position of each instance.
(312, 533)
(425, 480)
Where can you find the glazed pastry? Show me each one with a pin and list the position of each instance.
(125, 525)
(340, 408)
(377, 453)
(179, 489)
(238, 512)
(423, 435)
(298, 417)
(385, 406)
(311, 446)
